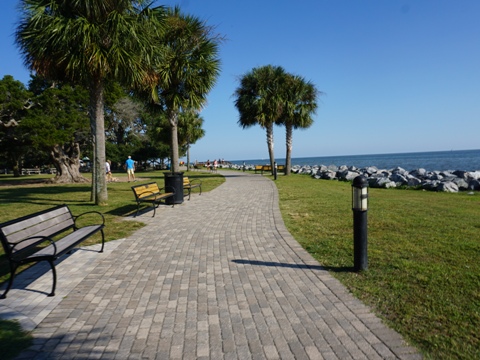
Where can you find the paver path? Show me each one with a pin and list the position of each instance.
(217, 277)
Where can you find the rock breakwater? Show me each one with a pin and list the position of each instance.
(447, 181)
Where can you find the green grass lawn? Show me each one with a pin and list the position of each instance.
(423, 274)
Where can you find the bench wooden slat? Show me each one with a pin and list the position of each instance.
(30, 220)
(66, 243)
(49, 227)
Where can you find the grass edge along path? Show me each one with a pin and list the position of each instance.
(423, 276)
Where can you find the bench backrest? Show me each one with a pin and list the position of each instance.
(145, 190)
(186, 180)
(267, 168)
(49, 223)
(258, 167)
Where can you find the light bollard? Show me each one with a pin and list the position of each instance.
(275, 170)
(360, 208)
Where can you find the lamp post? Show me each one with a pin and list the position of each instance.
(275, 170)
(360, 208)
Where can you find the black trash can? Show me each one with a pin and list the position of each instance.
(174, 180)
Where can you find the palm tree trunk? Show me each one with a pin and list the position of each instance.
(289, 141)
(174, 145)
(188, 155)
(270, 145)
(97, 119)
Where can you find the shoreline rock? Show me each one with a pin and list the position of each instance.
(446, 181)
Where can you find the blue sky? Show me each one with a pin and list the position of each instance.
(397, 76)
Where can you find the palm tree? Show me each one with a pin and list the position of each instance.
(90, 42)
(187, 69)
(300, 105)
(190, 130)
(259, 100)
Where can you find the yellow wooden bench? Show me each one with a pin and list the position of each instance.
(188, 185)
(258, 168)
(151, 193)
(268, 168)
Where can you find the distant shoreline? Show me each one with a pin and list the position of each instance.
(358, 155)
(467, 160)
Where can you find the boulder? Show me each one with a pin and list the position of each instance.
(413, 181)
(419, 173)
(381, 182)
(399, 179)
(370, 170)
(347, 175)
(474, 185)
(329, 175)
(447, 186)
(461, 183)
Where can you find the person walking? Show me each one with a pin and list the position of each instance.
(108, 170)
(130, 167)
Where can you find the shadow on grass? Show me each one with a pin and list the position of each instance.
(34, 194)
(13, 339)
(124, 211)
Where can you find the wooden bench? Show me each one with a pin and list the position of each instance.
(151, 193)
(31, 171)
(268, 168)
(188, 185)
(36, 237)
(258, 168)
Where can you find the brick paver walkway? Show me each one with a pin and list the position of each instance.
(217, 277)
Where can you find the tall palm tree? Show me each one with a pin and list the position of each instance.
(187, 70)
(259, 100)
(90, 42)
(300, 104)
(190, 130)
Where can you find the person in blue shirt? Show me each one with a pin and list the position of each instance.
(130, 167)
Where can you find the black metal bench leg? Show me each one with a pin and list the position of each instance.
(54, 273)
(138, 208)
(103, 240)
(10, 281)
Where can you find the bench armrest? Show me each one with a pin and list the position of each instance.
(100, 215)
(195, 181)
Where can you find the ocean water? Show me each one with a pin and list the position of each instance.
(468, 160)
